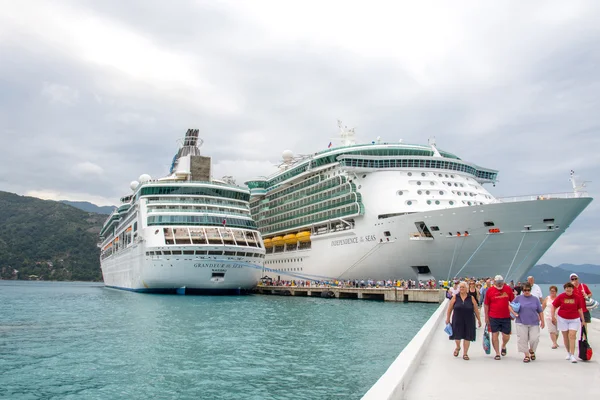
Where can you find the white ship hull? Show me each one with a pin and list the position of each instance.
(133, 270)
(366, 252)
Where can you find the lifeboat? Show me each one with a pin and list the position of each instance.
(268, 243)
(303, 236)
(290, 238)
(277, 241)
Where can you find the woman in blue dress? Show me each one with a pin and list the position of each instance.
(462, 311)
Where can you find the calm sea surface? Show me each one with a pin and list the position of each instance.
(82, 341)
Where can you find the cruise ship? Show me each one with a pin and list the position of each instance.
(400, 211)
(185, 233)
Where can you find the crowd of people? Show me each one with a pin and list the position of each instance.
(501, 303)
(355, 283)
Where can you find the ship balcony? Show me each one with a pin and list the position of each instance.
(419, 236)
(539, 197)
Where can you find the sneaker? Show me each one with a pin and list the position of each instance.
(568, 358)
(573, 359)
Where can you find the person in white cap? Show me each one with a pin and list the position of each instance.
(497, 313)
(581, 289)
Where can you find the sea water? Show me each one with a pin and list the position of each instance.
(83, 341)
(594, 288)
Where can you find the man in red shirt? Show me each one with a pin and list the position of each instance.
(581, 289)
(497, 313)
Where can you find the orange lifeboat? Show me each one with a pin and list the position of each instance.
(268, 243)
(277, 241)
(303, 236)
(290, 238)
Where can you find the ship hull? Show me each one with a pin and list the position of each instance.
(132, 269)
(392, 248)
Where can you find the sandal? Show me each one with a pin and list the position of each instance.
(503, 352)
(456, 351)
(532, 355)
(497, 357)
(526, 360)
(554, 346)
(466, 357)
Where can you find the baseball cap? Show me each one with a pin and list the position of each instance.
(498, 278)
(573, 276)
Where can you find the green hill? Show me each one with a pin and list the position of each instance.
(47, 240)
(89, 207)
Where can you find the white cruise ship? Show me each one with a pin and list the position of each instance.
(398, 211)
(185, 233)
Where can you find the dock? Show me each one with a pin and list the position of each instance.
(393, 294)
(426, 369)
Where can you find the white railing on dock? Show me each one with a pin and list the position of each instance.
(534, 197)
(394, 381)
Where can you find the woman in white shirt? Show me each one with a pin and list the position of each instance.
(547, 307)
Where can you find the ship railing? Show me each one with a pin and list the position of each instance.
(547, 196)
(180, 210)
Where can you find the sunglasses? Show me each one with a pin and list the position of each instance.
(574, 279)
(527, 290)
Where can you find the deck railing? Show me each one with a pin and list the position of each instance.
(534, 197)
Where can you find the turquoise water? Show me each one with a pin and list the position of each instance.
(82, 341)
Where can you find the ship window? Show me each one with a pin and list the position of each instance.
(387, 233)
(451, 176)
(428, 201)
(215, 253)
(201, 252)
(427, 192)
(188, 252)
(488, 223)
(434, 228)
(418, 182)
(399, 192)
(432, 183)
(548, 220)
(451, 203)
(441, 192)
(409, 174)
(364, 176)
(419, 192)
(423, 174)
(230, 253)
(176, 252)
(437, 202)
(409, 202)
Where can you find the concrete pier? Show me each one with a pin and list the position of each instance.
(426, 369)
(373, 293)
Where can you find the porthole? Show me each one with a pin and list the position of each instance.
(461, 185)
(364, 176)
(428, 201)
(419, 183)
(440, 175)
(427, 192)
(359, 186)
(419, 192)
(432, 183)
(454, 184)
(423, 174)
(451, 203)
(449, 184)
(441, 192)
(452, 176)
(409, 202)
(469, 203)
(446, 175)
(399, 192)
(437, 202)
(409, 174)
(458, 193)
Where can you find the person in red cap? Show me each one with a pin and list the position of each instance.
(581, 289)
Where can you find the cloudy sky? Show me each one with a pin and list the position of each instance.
(95, 93)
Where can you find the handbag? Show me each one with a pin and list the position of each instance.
(486, 341)
(585, 350)
(448, 329)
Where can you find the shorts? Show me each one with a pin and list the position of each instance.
(500, 325)
(587, 317)
(551, 327)
(568, 324)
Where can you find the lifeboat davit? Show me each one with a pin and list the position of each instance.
(277, 241)
(290, 238)
(303, 236)
(268, 244)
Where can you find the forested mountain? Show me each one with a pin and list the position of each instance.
(89, 207)
(545, 273)
(47, 240)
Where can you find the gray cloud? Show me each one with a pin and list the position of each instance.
(92, 94)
